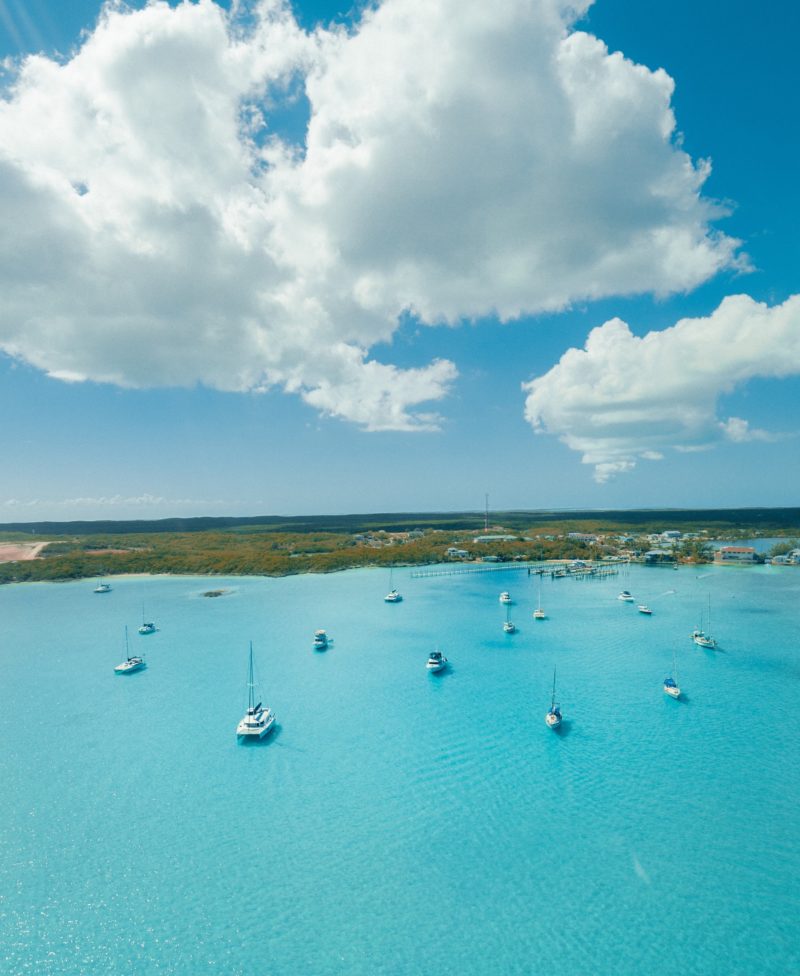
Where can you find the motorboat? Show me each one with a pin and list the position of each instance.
(132, 662)
(505, 597)
(436, 661)
(643, 608)
(553, 717)
(626, 596)
(321, 640)
(258, 720)
(103, 588)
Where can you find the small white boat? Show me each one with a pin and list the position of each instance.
(257, 720)
(553, 717)
(148, 627)
(321, 640)
(699, 636)
(393, 596)
(626, 597)
(436, 661)
(643, 608)
(505, 597)
(508, 626)
(131, 663)
(103, 588)
(671, 682)
(538, 613)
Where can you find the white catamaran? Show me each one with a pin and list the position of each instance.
(553, 717)
(538, 613)
(258, 720)
(671, 682)
(699, 636)
(393, 596)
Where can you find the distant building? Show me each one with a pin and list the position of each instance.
(496, 538)
(735, 554)
(582, 537)
(454, 553)
(659, 556)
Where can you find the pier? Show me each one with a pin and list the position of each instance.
(555, 570)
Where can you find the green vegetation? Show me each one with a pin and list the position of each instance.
(282, 546)
(781, 548)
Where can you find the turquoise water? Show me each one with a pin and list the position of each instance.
(399, 822)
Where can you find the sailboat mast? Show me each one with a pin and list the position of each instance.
(553, 702)
(127, 649)
(251, 699)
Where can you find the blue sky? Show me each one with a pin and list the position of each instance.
(202, 320)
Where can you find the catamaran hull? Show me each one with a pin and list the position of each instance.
(246, 733)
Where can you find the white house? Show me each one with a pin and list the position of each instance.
(735, 554)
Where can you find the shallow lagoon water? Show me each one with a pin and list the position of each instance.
(399, 822)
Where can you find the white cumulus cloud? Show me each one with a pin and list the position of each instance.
(461, 159)
(622, 398)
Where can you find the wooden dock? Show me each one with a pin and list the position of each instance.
(555, 570)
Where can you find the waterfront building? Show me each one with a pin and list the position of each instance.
(735, 554)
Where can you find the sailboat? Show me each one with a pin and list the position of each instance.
(132, 662)
(553, 717)
(393, 596)
(538, 613)
(699, 636)
(257, 720)
(671, 683)
(508, 626)
(103, 588)
(148, 627)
